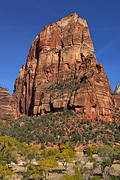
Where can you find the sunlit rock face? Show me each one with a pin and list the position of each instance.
(117, 89)
(62, 72)
(6, 108)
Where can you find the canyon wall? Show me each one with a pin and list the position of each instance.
(62, 72)
(6, 105)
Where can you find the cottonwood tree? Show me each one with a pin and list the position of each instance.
(65, 155)
(46, 165)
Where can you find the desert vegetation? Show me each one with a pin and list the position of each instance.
(45, 147)
(70, 83)
(64, 162)
(50, 128)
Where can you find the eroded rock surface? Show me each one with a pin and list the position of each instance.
(62, 72)
(117, 89)
(6, 107)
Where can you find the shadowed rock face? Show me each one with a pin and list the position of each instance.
(6, 107)
(62, 72)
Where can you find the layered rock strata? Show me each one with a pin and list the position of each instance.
(62, 72)
(6, 105)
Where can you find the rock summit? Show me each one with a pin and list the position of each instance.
(62, 72)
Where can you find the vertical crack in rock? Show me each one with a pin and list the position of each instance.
(59, 58)
(30, 109)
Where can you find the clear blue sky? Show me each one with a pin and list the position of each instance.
(22, 20)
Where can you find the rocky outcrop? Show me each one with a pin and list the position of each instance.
(62, 72)
(6, 105)
(117, 89)
(116, 96)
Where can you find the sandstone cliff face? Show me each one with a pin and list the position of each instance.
(6, 107)
(117, 89)
(117, 95)
(62, 72)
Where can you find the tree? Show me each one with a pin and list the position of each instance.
(30, 157)
(109, 154)
(10, 150)
(65, 155)
(76, 176)
(46, 164)
(91, 150)
(4, 171)
(33, 171)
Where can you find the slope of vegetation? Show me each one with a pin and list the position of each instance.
(50, 128)
(70, 83)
